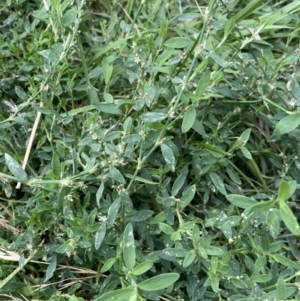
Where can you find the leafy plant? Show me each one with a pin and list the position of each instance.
(149, 150)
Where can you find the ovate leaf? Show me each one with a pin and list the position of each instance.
(187, 197)
(168, 156)
(178, 42)
(246, 152)
(178, 184)
(108, 264)
(286, 261)
(56, 165)
(166, 228)
(15, 168)
(51, 268)
(203, 84)
(214, 282)
(154, 116)
(188, 119)
(123, 294)
(218, 182)
(289, 218)
(240, 201)
(113, 212)
(281, 288)
(287, 124)
(261, 278)
(263, 206)
(273, 223)
(189, 258)
(107, 70)
(128, 247)
(286, 190)
(142, 268)
(69, 16)
(116, 175)
(21, 93)
(100, 234)
(158, 282)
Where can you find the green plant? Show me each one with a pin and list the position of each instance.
(164, 164)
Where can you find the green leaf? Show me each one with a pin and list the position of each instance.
(116, 175)
(99, 193)
(218, 182)
(51, 268)
(108, 264)
(187, 197)
(168, 155)
(228, 27)
(166, 228)
(265, 242)
(187, 226)
(113, 212)
(100, 234)
(203, 84)
(107, 70)
(221, 62)
(246, 152)
(21, 93)
(240, 201)
(286, 190)
(176, 236)
(249, 9)
(123, 294)
(132, 138)
(178, 184)
(178, 42)
(261, 44)
(281, 288)
(273, 223)
(286, 261)
(15, 168)
(214, 251)
(128, 247)
(56, 165)
(39, 14)
(174, 252)
(69, 17)
(245, 136)
(108, 108)
(214, 262)
(188, 119)
(259, 264)
(214, 282)
(158, 282)
(127, 124)
(64, 191)
(239, 283)
(261, 278)
(230, 221)
(289, 218)
(141, 215)
(189, 258)
(263, 206)
(153, 116)
(287, 124)
(142, 267)
(160, 217)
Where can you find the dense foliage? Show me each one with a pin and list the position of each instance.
(165, 156)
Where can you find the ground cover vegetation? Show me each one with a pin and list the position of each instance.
(165, 154)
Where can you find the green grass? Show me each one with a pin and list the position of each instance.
(160, 149)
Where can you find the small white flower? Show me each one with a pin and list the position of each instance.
(137, 59)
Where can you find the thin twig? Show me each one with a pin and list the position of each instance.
(36, 123)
